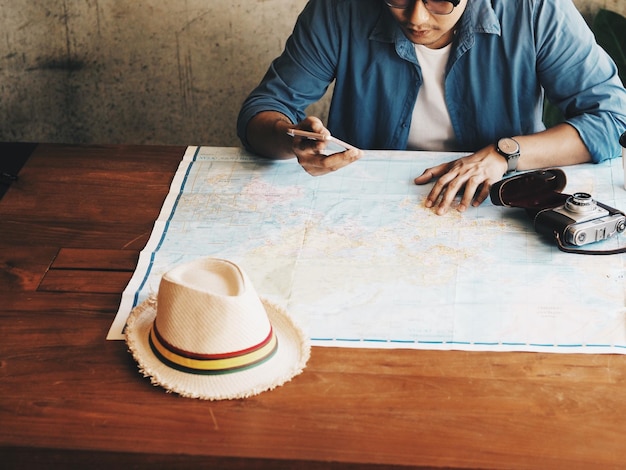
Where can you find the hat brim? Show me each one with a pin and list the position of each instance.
(289, 360)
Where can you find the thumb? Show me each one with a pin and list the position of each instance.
(425, 177)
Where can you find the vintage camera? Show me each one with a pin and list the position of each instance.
(572, 220)
(581, 220)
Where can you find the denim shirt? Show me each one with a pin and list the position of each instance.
(505, 55)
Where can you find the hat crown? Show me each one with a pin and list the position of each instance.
(209, 306)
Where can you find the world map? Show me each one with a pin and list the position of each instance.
(359, 261)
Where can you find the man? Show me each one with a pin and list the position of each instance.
(465, 75)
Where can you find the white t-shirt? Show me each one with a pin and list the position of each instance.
(431, 128)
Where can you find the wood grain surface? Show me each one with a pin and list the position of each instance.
(71, 228)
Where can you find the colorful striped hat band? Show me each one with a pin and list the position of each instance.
(186, 361)
(207, 334)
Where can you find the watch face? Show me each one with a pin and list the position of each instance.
(508, 146)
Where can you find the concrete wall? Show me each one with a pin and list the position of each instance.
(141, 71)
(588, 7)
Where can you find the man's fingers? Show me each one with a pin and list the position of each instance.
(320, 164)
(431, 173)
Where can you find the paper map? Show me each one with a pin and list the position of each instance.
(358, 261)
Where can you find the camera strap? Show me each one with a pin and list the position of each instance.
(578, 251)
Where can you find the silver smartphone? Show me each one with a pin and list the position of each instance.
(334, 145)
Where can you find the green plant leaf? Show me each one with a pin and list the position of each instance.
(610, 31)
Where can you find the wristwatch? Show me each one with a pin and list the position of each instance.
(509, 149)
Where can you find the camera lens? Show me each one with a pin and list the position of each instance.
(580, 202)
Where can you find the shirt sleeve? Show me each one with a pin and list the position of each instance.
(302, 73)
(580, 78)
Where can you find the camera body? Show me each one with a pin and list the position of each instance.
(580, 220)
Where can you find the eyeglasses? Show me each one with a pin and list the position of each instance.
(438, 7)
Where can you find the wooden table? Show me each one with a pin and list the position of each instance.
(71, 228)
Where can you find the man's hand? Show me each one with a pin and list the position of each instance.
(311, 153)
(472, 175)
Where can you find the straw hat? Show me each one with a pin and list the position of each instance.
(208, 335)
